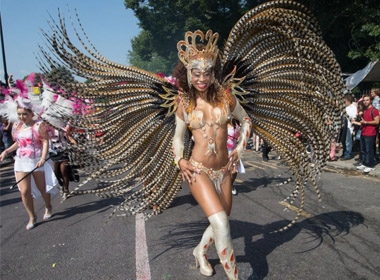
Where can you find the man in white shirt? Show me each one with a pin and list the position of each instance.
(351, 111)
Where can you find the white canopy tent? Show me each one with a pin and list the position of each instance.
(370, 73)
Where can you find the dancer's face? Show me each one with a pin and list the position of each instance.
(25, 115)
(201, 80)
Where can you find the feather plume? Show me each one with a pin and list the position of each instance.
(281, 70)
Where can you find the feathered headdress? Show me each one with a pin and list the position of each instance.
(48, 105)
(193, 58)
(17, 97)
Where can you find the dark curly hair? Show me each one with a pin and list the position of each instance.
(212, 97)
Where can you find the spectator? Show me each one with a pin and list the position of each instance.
(357, 128)
(266, 149)
(368, 125)
(347, 141)
(255, 142)
(375, 94)
(6, 131)
(58, 154)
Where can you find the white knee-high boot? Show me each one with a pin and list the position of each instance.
(200, 252)
(223, 243)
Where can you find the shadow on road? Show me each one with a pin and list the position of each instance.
(97, 207)
(7, 180)
(253, 184)
(328, 225)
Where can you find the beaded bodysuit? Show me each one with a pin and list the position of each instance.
(196, 120)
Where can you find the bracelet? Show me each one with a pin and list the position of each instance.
(176, 162)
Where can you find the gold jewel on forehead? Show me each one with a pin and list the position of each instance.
(193, 58)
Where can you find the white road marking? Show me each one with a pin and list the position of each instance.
(142, 260)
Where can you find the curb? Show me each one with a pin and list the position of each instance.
(336, 165)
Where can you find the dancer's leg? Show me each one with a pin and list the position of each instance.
(213, 206)
(26, 196)
(223, 243)
(39, 178)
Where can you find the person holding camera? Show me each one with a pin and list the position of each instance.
(368, 124)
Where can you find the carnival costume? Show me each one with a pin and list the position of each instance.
(29, 153)
(274, 63)
(53, 108)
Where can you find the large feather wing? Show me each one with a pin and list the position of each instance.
(291, 83)
(127, 128)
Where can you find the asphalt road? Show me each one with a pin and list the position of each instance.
(335, 239)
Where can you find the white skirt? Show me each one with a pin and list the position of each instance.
(28, 164)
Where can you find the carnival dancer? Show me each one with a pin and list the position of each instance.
(205, 108)
(31, 146)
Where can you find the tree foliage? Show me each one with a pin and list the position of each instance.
(350, 27)
(365, 40)
(164, 23)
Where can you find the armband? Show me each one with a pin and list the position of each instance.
(245, 127)
(179, 134)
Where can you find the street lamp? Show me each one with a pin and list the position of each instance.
(3, 52)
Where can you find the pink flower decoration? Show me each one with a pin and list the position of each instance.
(25, 141)
(23, 89)
(162, 75)
(26, 153)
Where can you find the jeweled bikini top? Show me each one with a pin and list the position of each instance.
(195, 119)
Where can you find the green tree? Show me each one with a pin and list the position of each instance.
(164, 23)
(350, 27)
(365, 41)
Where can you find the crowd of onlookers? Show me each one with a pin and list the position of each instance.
(361, 127)
(358, 134)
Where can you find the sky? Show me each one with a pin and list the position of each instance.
(108, 24)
